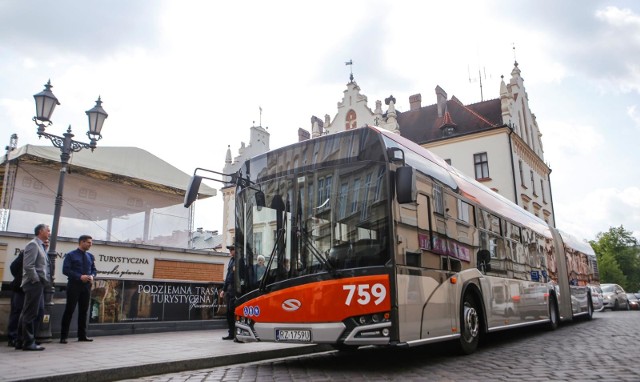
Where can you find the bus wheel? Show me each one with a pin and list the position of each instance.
(589, 309)
(470, 335)
(554, 318)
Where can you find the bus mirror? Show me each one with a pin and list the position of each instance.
(260, 199)
(484, 260)
(192, 191)
(395, 155)
(405, 184)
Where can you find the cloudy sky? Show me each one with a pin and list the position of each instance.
(185, 79)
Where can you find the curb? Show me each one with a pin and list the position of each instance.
(138, 371)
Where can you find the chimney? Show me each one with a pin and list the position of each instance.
(441, 96)
(415, 101)
(303, 135)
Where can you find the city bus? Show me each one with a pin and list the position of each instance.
(370, 239)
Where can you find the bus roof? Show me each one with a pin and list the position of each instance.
(473, 190)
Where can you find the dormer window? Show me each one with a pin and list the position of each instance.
(448, 131)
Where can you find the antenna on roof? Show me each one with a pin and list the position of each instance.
(481, 73)
(514, 52)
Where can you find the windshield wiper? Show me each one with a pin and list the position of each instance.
(317, 254)
(263, 282)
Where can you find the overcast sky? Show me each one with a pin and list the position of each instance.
(185, 79)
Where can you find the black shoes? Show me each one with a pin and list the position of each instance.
(85, 339)
(229, 337)
(18, 345)
(12, 343)
(32, 347)
(63, 340)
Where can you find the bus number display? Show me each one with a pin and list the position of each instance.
(366, 293)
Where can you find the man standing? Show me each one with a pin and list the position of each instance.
(80, 269)
(36, 274)
(229, 293)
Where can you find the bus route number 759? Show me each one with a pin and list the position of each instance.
(365, 293)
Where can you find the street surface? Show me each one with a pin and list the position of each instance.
(604, 349)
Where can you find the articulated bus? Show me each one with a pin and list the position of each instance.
(370, 239)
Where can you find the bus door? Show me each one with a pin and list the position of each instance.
(564, 300)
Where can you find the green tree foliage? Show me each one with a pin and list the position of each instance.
(618, 256)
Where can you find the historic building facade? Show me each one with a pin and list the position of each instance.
(497, 142)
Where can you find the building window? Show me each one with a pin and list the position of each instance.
(379, 180)
(481, 163)
(533, 183)
(438, 199)
(366, 204)
(463, 211)
(544, 198)
(356, 194)
(257, 243)
(521, 174)
(342, 200)
(351, 122)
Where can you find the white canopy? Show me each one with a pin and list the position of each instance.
(139, 166)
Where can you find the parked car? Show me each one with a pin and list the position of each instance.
(614, 297)
(634, 302)
(596, 298)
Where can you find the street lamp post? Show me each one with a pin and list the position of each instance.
(45, 104)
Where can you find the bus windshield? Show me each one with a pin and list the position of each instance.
(327, 216)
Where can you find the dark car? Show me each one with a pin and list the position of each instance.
(634, 302)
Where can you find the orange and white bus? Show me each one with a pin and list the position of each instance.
(370, 239)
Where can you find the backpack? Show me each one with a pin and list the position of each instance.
(16, 272)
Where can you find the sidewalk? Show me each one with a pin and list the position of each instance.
(112, 358)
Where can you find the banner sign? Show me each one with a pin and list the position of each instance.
(120, 300)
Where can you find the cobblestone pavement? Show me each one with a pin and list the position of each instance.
(604, 349)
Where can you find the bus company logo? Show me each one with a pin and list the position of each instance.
(291, 305)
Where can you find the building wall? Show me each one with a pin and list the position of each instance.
(125, 261)
(495, 143)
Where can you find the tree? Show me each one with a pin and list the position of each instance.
(618, 255)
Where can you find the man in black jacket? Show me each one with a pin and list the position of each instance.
(17, 299)
(79, 267)
(229, 293)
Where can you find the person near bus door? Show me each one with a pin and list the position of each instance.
(229, 293)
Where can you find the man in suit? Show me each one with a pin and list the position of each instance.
(80, 268)
(229, 293)
(14, 332)
(36, 275)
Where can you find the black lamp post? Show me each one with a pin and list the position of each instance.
(45, 104)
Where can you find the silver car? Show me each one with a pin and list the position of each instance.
(614, 297)
(597, 298)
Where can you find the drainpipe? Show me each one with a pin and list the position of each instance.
(513, 169)
(553, 210)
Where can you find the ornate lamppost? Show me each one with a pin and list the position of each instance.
(45, 104)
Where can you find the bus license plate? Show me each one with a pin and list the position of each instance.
(293, 335)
